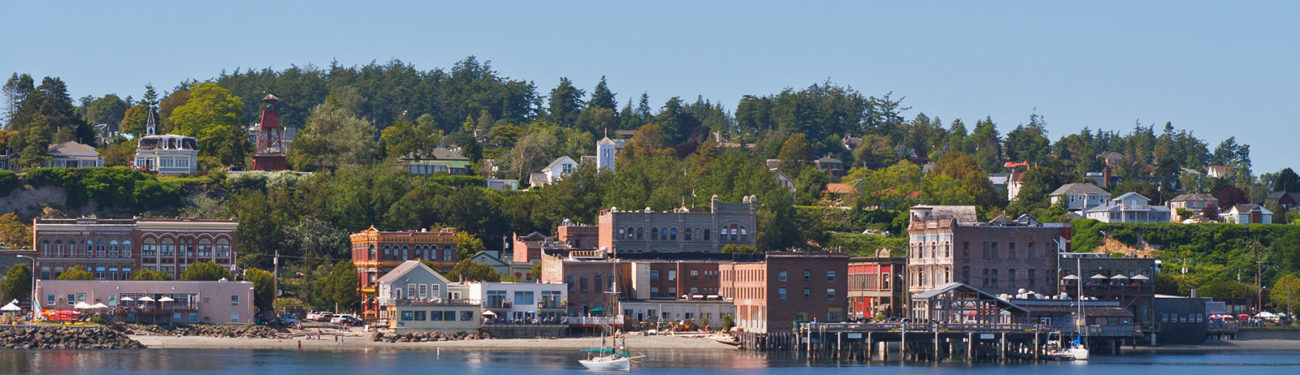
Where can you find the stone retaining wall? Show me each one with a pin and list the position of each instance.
(428, 336)
(206, 330)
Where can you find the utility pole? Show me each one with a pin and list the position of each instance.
(1259, 287)
(275, 283)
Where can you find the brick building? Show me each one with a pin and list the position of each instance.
(113, 249)
(875, 286)
(684, 230)
(1128, 280)
(672, 279)
(786, 288)
(592, 281)
(375, 253)
(948, 244)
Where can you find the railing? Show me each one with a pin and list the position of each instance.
(920, 326)
(595, 320)
(1222, 327)
(1120, 288)
(432, 301)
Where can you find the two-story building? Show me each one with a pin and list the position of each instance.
(1080, 196)
(1130, 281)
(521, 303)
(1129, 208)
(1247, 213)
(414, 297)
(154, 301)
(1194, 202)
(645, 233)
(560, 168)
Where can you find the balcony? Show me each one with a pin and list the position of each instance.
(594, 320)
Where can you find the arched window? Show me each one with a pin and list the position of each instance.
(744, 234)
(126, 249)
(663, 233)
(654, 233)
(406, 253)
(112, 249)
(168, 248)
(149, 248)
(90, 249)
(686, 234)
(631, 233)
(58, 248)
(388, 251)
(372, 252)
(45, 248)
(447, 253)
(672, 234)
(205, 248)
(640, 233)
(223, 249)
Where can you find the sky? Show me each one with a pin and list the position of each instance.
(1219, 69)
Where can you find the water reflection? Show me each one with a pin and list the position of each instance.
(475, 362)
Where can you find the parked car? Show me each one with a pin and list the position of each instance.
(288, 319)
(320, 316)
(344, 319)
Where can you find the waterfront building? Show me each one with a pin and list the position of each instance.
(154, 301)
(594, 283)
(71, 154)
(785, 288)
(376, 253)
(1182, 320)
(414, 297)
(698, 312)
(960, 304)
(673, 279)
(875, 285)
(1080, 196)
(1129, 208)
(521, 303)
(112, 249)
(949, 244)
(1103, 318)
(1129, 281)
(645, 233)
(165, 154)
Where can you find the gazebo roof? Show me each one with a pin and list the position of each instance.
(967, 289)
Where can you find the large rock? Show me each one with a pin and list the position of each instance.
(64, 337)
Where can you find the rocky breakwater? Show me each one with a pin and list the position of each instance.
(428, 336)
(206, 330)
(60, 337)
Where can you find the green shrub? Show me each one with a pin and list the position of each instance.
(8, 182)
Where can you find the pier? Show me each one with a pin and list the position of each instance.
(930, 343)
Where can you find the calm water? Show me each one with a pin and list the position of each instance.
(244, 362)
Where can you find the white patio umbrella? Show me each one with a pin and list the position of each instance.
(11, 307)
(99, 306)
(81, 306)
(1141, 277)
(146, 299)
(166, 299)
(127, 299)
(1119, 277)
(1071, 277)
(1099, 277)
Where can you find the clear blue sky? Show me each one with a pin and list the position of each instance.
(1217, 68)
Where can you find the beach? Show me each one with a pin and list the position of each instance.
(354, 341)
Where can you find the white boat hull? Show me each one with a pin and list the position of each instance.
(1078, 353)
(607, 363)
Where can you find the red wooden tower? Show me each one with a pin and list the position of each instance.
(269, 154)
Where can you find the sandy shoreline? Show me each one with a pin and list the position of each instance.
(359, 342)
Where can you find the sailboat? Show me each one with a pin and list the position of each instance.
(1075, 350)
(609, 358)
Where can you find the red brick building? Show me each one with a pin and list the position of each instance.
(113, 249)
(786, 288)
(876, 286)
(375, 253)
(948, 244)
(595, 283)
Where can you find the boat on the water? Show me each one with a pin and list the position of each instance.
(1062, 351)
(608, 362)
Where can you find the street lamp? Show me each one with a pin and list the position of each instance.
(33, 271)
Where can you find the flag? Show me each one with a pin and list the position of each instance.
(36, 307)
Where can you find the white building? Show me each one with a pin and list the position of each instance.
(503, 184)
(522, 303)
(703, 312)
(166, 154)
(1080, 196)
(71, 154)
(555, 171)
(1247, 213)
(607, 152)
(414, 297)
(1129, 208)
